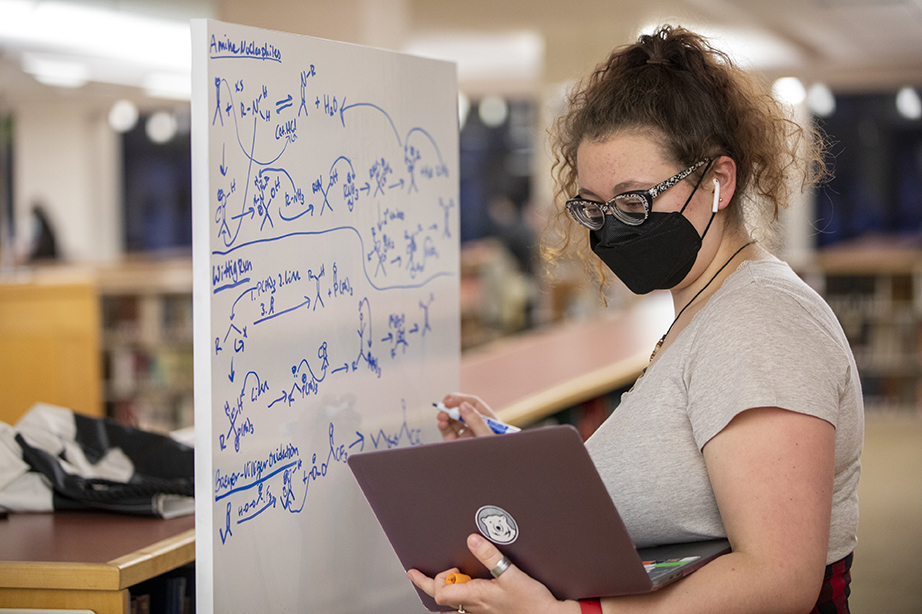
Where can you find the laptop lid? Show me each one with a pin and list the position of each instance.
(535, 494)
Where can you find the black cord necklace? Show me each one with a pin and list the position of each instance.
(659, 343)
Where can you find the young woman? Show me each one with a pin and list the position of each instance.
(749, 419)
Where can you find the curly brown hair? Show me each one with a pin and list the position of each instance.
(698, 104)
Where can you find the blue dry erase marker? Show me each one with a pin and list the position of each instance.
(495, 425)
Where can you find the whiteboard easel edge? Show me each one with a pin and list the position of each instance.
(201, 315)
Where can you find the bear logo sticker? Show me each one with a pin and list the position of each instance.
(497, 525)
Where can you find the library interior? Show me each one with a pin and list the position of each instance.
(96, 233)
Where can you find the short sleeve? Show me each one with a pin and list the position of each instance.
(760, 346)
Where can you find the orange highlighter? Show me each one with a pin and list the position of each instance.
(457, 578)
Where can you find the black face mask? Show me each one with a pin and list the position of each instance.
(655, 255)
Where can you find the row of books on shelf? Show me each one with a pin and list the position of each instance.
(170, 593)
(147, 319)
(129, 370)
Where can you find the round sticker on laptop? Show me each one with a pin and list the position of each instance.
(497, 525)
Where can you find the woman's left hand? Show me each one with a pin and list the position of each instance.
(513, 591)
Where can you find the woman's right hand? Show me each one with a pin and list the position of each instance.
(472, 409)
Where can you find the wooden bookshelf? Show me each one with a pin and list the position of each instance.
(49, 343)
(874, 286)
(104, 340)
(146, 346)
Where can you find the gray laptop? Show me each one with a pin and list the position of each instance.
(536, 494)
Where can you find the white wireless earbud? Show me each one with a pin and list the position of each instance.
(716, 195)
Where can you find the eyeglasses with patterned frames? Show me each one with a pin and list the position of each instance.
(631, 208)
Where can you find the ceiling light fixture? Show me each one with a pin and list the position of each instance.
(87, 30)
(789, 90)
(57, 71)
(161, 127)
(908, 103)
(821, 100)
(493, 111)
(111, 46)
(123, 116)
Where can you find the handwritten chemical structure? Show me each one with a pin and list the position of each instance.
(283, 468)
(274, 198)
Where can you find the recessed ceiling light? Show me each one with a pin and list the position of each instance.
(161, 127)
(485, 55)
(493, 111)
(59, 72)
(821, 100)
(789, 90)
(123, 116)
(908, 103)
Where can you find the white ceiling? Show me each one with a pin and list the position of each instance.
(850, 44)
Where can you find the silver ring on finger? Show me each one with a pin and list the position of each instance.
(500, 567)
(461, 610)
(462, 430)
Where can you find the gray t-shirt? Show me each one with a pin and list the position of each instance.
(764, 339)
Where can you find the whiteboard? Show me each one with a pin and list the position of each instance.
(326, 258)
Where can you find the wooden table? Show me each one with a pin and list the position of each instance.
(78, 560)
(530, 376)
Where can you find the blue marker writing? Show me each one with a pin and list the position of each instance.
(495, 425)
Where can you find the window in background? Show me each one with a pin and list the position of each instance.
(498, 226)
(877, 160)
(496, 162)
(158, 187)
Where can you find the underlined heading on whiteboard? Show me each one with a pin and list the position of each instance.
(248, 49)
(420, 266)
